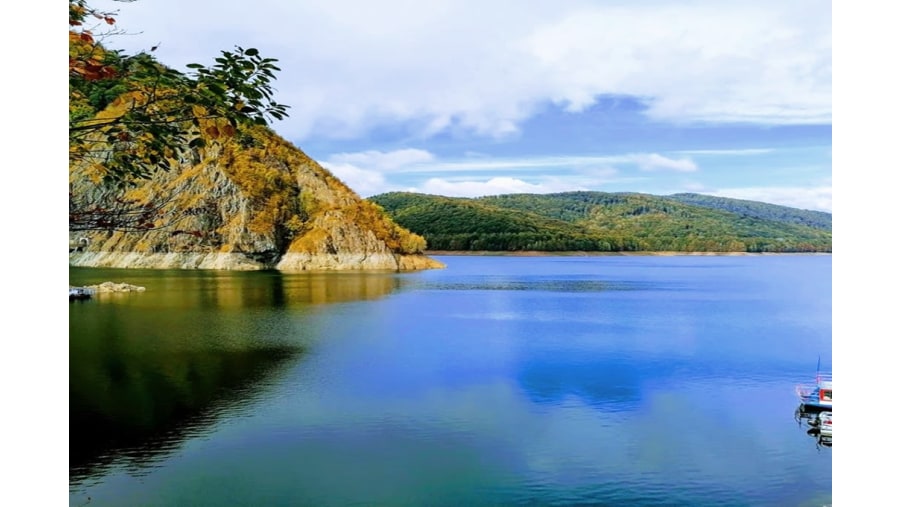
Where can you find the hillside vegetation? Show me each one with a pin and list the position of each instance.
(254, 202)
(816, 219)
(607, 222)
(182, 170)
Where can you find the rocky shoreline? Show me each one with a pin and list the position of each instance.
(289, 262)
(111, 287)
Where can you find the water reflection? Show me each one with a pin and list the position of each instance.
(240, 290)
(604, 384)
(149, 370)
(264, 389)
(534, 284)
(136, 409)
(816, 424)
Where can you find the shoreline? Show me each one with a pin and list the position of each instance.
(537, 253)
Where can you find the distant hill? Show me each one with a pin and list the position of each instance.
(607, 222)
(816, 219)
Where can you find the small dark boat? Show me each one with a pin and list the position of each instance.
(79, 293)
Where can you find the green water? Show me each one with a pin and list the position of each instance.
(149, 366)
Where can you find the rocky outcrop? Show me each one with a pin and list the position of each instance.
(256, 202)
(115, 287)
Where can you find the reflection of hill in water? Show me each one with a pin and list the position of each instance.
(138, 408)
(149, 370)
(242, 289)
(535, 283)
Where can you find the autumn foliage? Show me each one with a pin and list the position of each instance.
(131, 116)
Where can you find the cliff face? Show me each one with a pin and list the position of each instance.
(253, 202)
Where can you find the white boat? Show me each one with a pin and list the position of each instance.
(824, 424)
(817, 398)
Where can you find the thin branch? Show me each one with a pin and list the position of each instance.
(117, 214)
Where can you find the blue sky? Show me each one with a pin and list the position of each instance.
(466, 98)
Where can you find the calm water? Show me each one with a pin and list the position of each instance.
(497, 381)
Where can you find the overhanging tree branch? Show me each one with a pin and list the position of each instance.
(130, 116)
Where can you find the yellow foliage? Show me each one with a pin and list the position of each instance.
(309, 242)
(294, 225)
(274, 192)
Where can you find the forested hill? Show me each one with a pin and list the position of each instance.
(607, 222)
(817, 219)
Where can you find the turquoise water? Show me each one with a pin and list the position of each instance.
(495, 381)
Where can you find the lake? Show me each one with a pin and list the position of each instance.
(557, 380)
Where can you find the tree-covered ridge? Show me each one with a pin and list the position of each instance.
(816, 219)
(595, 221)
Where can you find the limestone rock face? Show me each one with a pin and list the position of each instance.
(248, 204)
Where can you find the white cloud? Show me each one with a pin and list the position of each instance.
(655, 162)
(732, 152)
(713, 61)
(381, 160)
(364, 182)
(365, 171)
(373, 172)
(422, 161)
(812, 198)
(493, 186)
(484, 67)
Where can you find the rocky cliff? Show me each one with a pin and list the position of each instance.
(253, 202)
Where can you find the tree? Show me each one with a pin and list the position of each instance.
(131, 116)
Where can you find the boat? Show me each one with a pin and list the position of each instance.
(816, 407)
(817, 398)
(79, 293)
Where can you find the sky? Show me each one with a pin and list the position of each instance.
(470, 98)
(726, 98)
